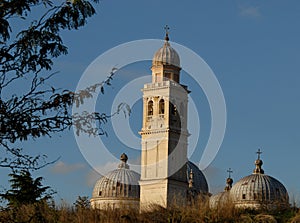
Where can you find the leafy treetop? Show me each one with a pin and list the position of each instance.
(27, 55)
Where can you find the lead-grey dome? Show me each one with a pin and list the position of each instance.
(199, 181)
(119, 183)
(219, 199)
(259, 189)
(166, 55)
(222, 198)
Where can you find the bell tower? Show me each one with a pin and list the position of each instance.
(164, 132)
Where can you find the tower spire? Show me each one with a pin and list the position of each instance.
(167, 32)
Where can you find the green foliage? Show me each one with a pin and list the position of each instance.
(26, 56)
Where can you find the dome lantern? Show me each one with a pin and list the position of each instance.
(258, 163)
(123, 163)
(229, 180)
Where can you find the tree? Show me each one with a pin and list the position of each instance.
(26, 190)
(82, 202)
(26, 57)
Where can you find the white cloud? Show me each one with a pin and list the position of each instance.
(250, 11)
(64, 168)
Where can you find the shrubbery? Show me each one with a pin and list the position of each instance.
(200, 212)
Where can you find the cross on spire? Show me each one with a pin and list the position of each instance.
(258, 154)
(229, 171)
(167, 32)
(167, 29)
(191, 180)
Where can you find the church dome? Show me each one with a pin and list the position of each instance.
(259, 189)
(199, 181)
(219, 199)
(119, 185)
(222, 198)
(166, 55)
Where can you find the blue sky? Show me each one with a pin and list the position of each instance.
(252, 47)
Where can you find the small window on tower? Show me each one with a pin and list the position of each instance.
(244, 196)
(150, 108)
(161, 107)
(100, 193)
(167, 76)
(176, 78)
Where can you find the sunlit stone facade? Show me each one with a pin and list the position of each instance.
(164, 164)
(166, 174)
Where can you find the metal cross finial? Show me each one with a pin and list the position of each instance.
(167, 29)
(167, 32)
(258, 154)
(229, 172)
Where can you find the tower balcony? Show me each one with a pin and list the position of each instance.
(163, 84)
(160, 84)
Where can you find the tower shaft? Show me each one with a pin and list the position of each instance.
(164, 134)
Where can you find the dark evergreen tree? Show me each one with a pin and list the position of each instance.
(82, 202)
(26, 190)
